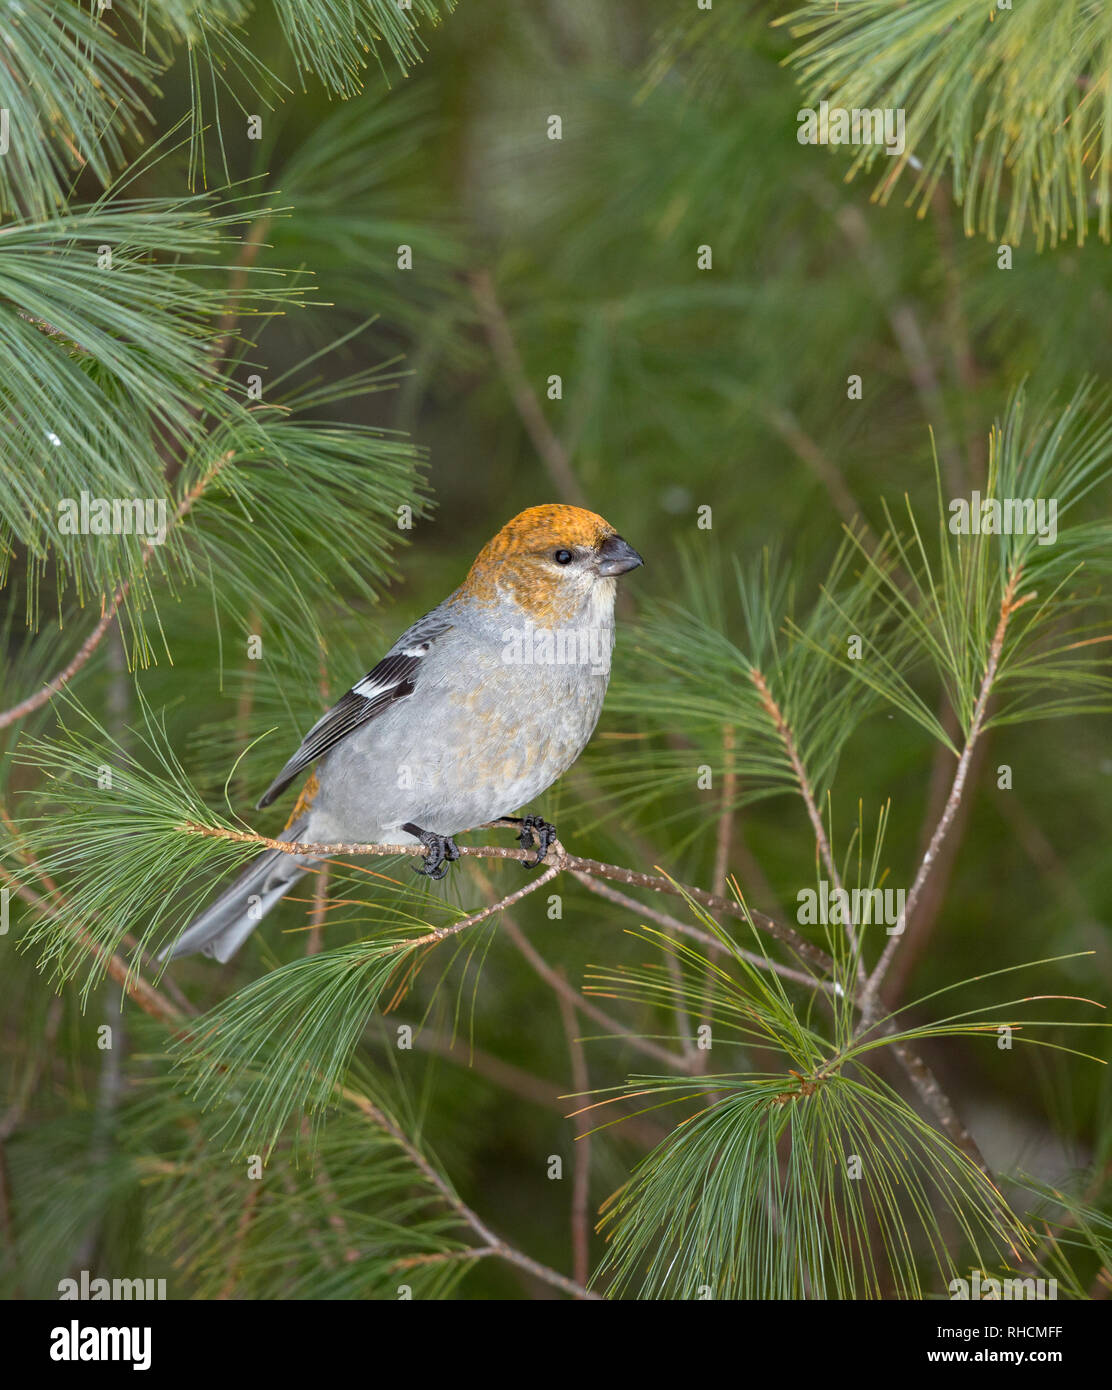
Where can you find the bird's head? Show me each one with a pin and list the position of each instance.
(555, 562)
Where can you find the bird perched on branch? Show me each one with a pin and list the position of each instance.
(478, 708)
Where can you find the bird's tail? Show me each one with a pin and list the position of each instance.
(222, 928)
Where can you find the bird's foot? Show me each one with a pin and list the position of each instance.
(545, 837)
(442, 851)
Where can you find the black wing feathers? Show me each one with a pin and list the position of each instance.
(391, 680)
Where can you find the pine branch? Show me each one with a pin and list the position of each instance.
(490, 1241)
(581, 1179)
(89, 646)
(556, 982)
(1008, 605)
(159, 1007)
(501, 339)
(558, 861)
(924, 1081)
(805, 790)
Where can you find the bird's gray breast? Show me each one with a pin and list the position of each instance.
(495, 717)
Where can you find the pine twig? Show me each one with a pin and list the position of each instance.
(558, 861)
(490, 1241)
(563, 990)
(89, 646)
(581, 1180)
(502, 344)
(1008, 605)
(157, 1006)
(772, 709)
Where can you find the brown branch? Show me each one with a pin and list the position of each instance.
(772, 709)
(89, 646)
(490, 1241)
(581, 1180)
(563, 990)
(439, 1257)
(804, 447)
(501, 339)
(1008, 605)
(935, 1098)
(558, 861)
(149, 999)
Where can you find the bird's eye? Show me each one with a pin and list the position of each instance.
(563, 557)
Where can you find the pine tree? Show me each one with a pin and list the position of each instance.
(299, 300)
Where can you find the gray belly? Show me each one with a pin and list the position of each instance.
(460, 757)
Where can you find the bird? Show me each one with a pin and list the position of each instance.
(475, 710)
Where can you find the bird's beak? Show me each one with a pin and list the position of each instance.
(616, 556)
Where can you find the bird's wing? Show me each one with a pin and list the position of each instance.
(395, 677)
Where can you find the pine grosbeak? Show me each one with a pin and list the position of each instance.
(478, 708)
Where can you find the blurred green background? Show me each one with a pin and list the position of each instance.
(682, 388)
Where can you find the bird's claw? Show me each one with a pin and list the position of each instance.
(442, 851)
(546, 838)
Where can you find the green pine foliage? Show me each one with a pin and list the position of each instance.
(318, 284)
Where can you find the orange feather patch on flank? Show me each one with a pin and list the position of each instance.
(517, 558)
(305, 798)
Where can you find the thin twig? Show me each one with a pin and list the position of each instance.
(1008, 605)
(501, 339)
(772, 709)
(482, 1230)
(89, 646)
(581, 1179)
(559, 984)
(558, 860)
(663, 919)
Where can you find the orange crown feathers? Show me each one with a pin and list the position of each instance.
(538, 528)
(533, 533)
